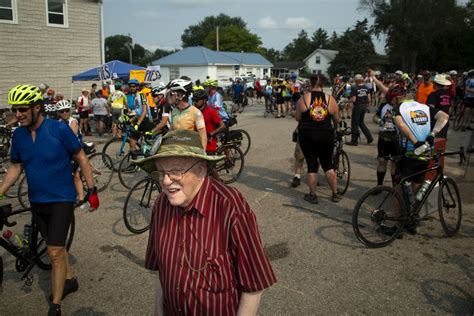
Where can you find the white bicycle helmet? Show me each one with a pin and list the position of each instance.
(185, 86)
(62, 105)
(453, 73)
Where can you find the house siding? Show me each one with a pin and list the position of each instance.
(32, 52)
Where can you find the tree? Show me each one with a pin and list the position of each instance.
(271, 54)
(195, 35)
(233, 38)
(320, 39)
(356, 50)
(117, 47)
(298, 49)
(414, 27)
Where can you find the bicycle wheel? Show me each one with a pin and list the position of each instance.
(38, 245)
(138, 206)
(449, 206)
(102, 171)
(245, 142)
(129, 173)
(23, 193)
(378, 217)
(342, 167)
(265, 114)
(114, 149)
(4, 165)
(230, 168)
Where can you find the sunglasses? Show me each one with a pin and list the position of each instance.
(20, 109)
(64, 111)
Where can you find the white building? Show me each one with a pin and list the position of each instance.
(320, 60)
(199, 62)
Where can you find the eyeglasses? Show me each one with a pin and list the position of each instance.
(174, 175)
(20, 109)
(64, 111)
(132, 86)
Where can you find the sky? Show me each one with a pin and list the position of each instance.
(160, 23)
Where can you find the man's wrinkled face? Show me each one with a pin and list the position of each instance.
(180, 178)
(24, 114)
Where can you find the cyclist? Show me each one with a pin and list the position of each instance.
(184, 115)
(44, 148)
(131, 94)
(164, 110)
(238, 95)
(117, 102)
(142, 120)
(64, 112)
(418, 123)
(468, 100)
(217, 102)
(214, 124)
(360, 100)
(278, 91)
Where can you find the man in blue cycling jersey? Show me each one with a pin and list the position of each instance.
(44, 149)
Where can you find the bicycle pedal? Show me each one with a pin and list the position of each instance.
(28, 280)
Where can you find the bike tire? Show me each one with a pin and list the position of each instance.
(38, 245)
(129, 173)
(449, 204)
(372, 230)
(246, 141)
(342, 167)
(13, 190)
(138, 206)
(230, 168)
(112, 148)
(265, 114)
(23, 193)
(102, 171)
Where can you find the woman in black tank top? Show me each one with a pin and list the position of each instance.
(318, 116)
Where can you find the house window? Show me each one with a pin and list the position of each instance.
(8, 11)
(318, 60)
(56, 11)
(174, 73)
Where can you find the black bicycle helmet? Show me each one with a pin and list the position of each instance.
(199, 95)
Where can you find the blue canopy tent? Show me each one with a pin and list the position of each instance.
(111, 70)
(114, 69)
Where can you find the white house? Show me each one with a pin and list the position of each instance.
(199, 62)
(320, 60)
(48, 41)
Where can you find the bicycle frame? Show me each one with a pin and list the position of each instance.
(20, 255)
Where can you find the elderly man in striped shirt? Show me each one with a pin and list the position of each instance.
(204, 240)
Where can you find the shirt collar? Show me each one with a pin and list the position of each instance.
(202, 200)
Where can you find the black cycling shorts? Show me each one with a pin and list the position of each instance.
(145, 126)
(317, 145)
(408, 166)
(84, 114)
(469, 102)
(53, 220)
(388, 148)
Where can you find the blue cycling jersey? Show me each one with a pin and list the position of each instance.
(47, 161)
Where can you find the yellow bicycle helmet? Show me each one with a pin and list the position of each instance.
(24, 94)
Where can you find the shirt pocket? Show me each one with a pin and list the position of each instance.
(218, 276)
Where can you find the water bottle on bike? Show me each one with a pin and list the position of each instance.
(14, 239)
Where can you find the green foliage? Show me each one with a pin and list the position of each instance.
(273, 55)
(116, 47)
(233, 38)
(298, 49)
(195, 35)
(356, 50)
(424, 33)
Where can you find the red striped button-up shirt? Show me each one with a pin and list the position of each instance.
(207, 254)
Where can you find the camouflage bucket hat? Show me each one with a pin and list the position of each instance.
(180, 143)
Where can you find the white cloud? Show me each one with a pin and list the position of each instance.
(267, 23)
(298, 22)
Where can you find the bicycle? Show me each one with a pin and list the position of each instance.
(379, 222)
(138, 206)
(117, 147)
(270, 106)
(230, 168)
(101, 167)
(128, 172)
(239, 137)
(5, 143)
(342, 166)
(458, 112)
(34, 248)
